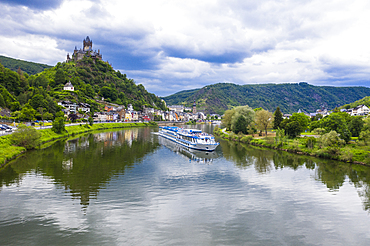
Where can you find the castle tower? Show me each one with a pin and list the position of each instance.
(194, 108)
(87, 44)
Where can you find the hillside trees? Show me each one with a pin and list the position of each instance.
(89, 77)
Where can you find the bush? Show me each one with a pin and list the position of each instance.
(346, 155)
(246, 139)
(331, 139)
(26, 136)
(310, 142)
(319, 131)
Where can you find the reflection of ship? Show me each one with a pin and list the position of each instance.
(190, 138)
(191, 154)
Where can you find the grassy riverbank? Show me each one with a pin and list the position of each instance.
(9, 151)
(352, 152)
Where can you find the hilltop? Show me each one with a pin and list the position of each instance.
(93, 79)
(217, 98)
(30, 68)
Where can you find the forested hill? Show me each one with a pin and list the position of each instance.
(27, 67)
(362, 101)
(36, 96)
(289, 97)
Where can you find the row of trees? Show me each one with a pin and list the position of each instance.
(247, 120)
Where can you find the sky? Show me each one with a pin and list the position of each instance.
(170, 46)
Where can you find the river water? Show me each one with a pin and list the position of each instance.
(131, 187)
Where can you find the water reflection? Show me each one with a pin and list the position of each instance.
(331, 173)
(142, 185)
(190, 154)
(84, 165)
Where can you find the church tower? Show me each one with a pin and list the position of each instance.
(87, 44)
(194, 108)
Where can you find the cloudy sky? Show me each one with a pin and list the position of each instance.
(174, 45)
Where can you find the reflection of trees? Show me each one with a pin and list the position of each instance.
(360, 177)
(332, 173)
(236, 153)
(262, 160)
(84, 165)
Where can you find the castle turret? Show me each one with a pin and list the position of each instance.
(194, 108)
(87, 43)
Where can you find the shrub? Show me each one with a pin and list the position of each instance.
(310, 142)
(331, 139)
(26, 136)
(346, 155)
(319, 131)
(246, 139)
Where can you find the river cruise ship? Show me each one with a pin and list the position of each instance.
(190, 138)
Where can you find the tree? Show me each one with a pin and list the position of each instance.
(59, 78)
(26, 136)
(226, 120)
(263, 120)
(246, 111)
(27, 112)
(90, 120)
(355, 125)
(336, 122)
(302, 119)
(293, 129)
(58, 125)
(241, 125)
(278, 118)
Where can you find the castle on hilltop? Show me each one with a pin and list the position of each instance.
(86, 51)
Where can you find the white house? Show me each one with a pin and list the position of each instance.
(359, 110)
(68, 86)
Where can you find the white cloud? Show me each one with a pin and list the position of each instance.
(194, 43)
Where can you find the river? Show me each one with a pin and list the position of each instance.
(130, 187)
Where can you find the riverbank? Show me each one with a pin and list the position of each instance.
(351, 152)
(9, 152)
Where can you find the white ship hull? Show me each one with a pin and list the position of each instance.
(198, 143)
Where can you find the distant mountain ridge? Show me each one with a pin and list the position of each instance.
(30, 68)
(290, 98)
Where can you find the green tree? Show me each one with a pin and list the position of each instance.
(355, 125)
(226, 120)
(278, 118)
(246, 111)
(90, 120)
(59, 78)
(28, 113)
(302, 119)
(58, 125)
(263, 120)
(293, 129)
(241, 125)
(337, 122)
(2, 102)
(26, 136)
